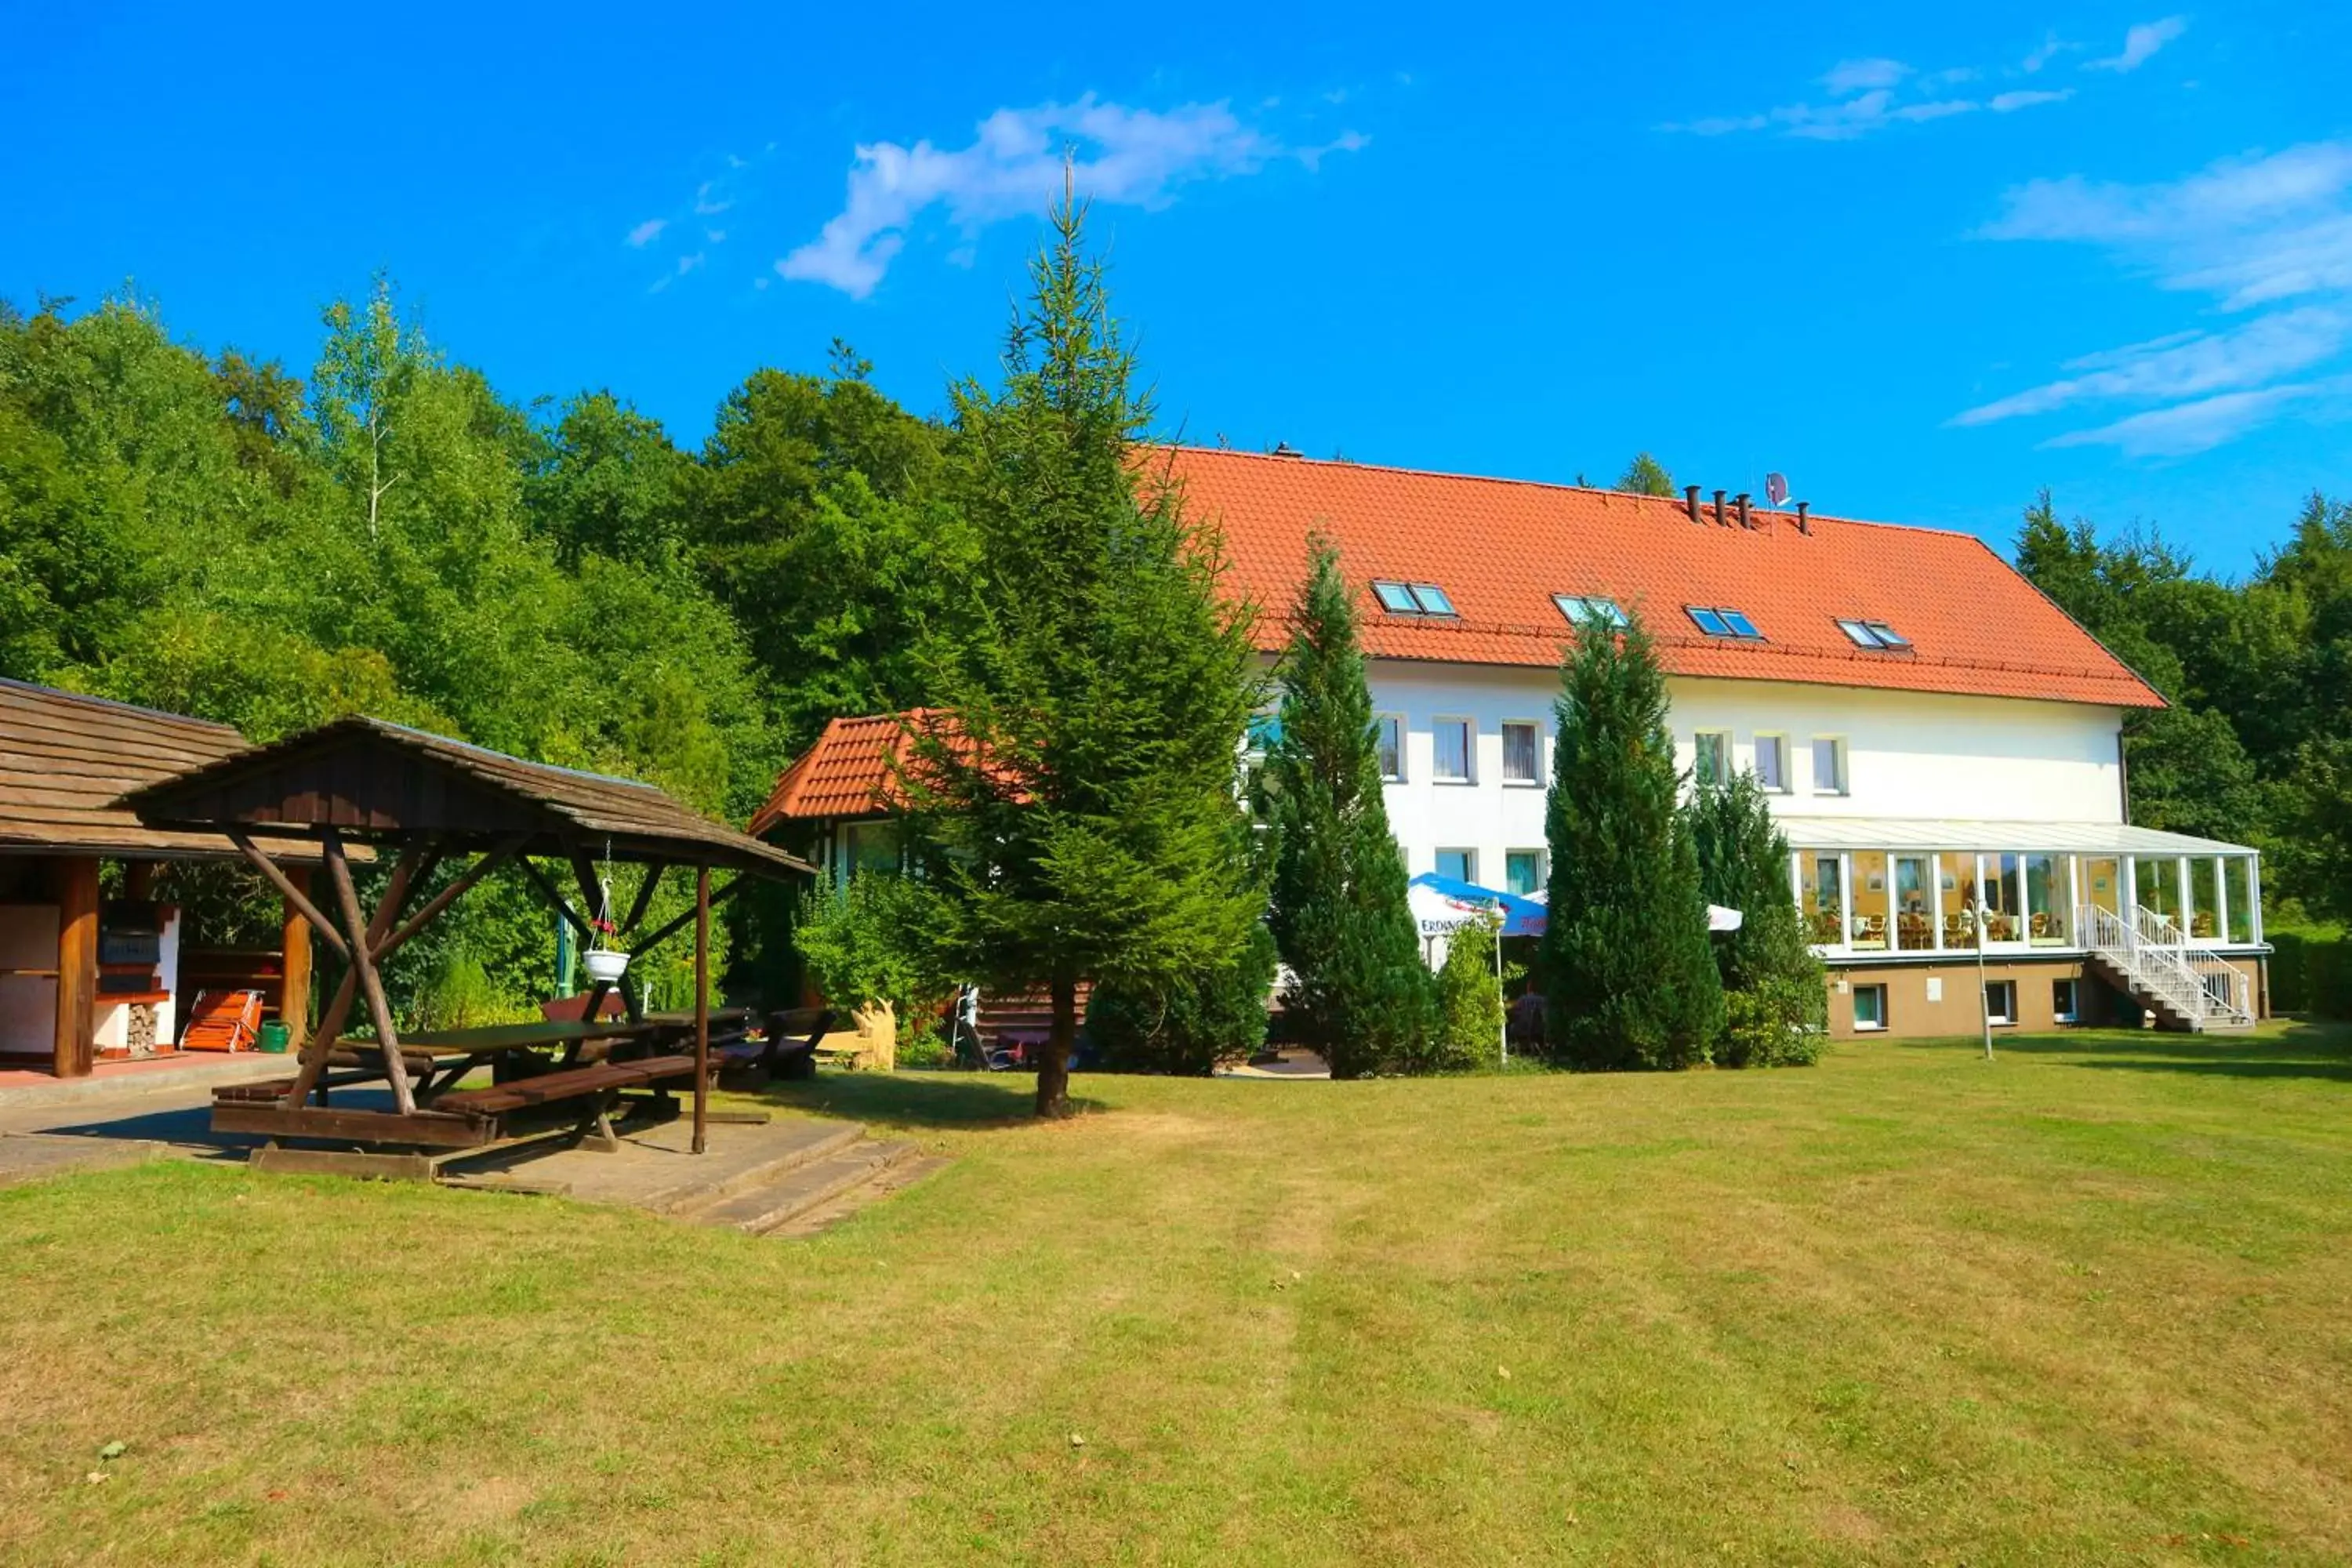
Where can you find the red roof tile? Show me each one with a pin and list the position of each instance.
(847, 773)
(1502, 548)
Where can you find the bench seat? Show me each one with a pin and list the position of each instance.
(571, 1084)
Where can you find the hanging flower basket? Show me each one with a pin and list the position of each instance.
(606, 964)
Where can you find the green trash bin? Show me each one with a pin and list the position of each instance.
(274, 1036)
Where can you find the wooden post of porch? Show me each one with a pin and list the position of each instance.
(702, 1004)
(294, 964)
(77, 893)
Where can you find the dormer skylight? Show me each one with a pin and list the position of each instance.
(1413, 599)
(1874, 634)
(1718, 621)
(1581, 609)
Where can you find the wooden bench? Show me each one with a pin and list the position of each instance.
(600, 1086)
(786, 1056)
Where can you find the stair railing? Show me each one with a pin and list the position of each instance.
(2152, 951)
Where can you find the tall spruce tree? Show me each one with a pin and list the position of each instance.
(1359, 993)
(1079, 824)
(1774, 992)
(1627, 977)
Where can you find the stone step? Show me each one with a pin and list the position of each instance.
(762, 1208)
(905, 1174)
(700, 1187)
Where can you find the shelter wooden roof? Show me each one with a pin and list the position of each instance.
(65, 761)
(374, 780)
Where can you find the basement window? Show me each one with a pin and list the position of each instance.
(1872, 634)
(1583, 609)
(1413, 599)
(1719, 622)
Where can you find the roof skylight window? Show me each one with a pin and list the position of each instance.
(1413, 599)
(1583, 607)
(1872, 634)
(1718, 622)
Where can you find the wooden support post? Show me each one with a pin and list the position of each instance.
(538, 879)
(275, 874)
(702, 1004)
(294, 964)
(705, 901)
(77, 1025)
(339, 1006)
(645, 895)
(139, 881)
(356, 923)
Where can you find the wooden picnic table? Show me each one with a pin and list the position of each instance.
(440, 1058)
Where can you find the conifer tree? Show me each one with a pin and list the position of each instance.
(1080, 820)
(1627, 977)
(1773, 985)
(1359, 993)
(1645, 475)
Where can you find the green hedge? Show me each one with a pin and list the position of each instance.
(2311, 971)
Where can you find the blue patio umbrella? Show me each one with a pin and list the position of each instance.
(1444, 905)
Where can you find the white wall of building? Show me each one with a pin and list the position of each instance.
(1908, 754)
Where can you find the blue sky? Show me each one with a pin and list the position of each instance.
(1923, 265)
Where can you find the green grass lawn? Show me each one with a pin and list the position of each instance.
(2091, 1304)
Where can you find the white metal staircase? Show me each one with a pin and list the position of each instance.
(2149, 956)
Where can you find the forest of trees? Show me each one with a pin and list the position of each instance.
(213, 534)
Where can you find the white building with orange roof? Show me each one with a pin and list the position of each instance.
(1934, 732)
(1934, 735)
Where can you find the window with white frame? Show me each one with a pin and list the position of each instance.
(1522, 751)
(1390, 739)
(1711, 760)
(1523, 872)
(2001, 1001)
(2065, 1001)
(1869, 1008)
(1461, 864)
(1772, 763)
(1450, 763)
(1829, 765)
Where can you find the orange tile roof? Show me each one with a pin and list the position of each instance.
(1501, 548)
(847, 773)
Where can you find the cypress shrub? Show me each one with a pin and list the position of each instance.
(1776, 996)
(1358, 992)
(1469, 1002)
(1627, 977)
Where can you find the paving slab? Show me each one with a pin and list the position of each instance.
(656, 1167)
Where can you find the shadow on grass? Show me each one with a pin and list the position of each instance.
(2300, 1051)
(919, 1098)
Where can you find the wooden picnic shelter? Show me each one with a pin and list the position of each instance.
(425, 804)
(82, 976)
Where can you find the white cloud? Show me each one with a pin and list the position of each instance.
(707, 197)
(645, 233)
(1848, 76)
(2049, 49)
(2009, 102)
(2254, 229)
(1870, 94)
(1130, 157)
(2185, 364)
(2188, 428)
(2140, 44)
(2265, 236)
